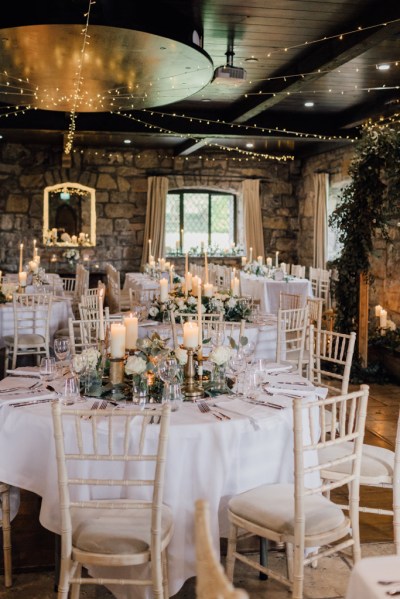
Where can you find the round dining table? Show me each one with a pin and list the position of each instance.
(208, 458)
(267, 291)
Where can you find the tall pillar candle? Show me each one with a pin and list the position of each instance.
(269, 262)
(195, 285)
(383, 319)
(171, 275)
(199, 318)
(21, 253)
(34, 249)
(33, 266)
(188, 282)
(243, 260)
(186, 262)
(131, 326)
(251, 255)
(206, 266)
(378, 310)
(117, 340)
(276, 259)
(235, 286)
(22, 278)
(208, 289)
(259, 260)
(101, 314)
(163, 290)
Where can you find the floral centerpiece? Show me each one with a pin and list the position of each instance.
(255, 268)
(234, 308)
(72, 256)
(219, 358)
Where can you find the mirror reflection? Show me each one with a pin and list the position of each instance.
(69, 215)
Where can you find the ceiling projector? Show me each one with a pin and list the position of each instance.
(229, 74)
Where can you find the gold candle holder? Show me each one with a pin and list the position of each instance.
(21, 289)
(191, 389)
(116, 371)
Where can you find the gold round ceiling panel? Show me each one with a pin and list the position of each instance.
(54, 67)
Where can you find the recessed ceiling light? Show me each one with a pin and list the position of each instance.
(1, 137)
(383, 67)
(127, 141)
(249, 145)
(308, 104)
(206, 100)
(251, 59)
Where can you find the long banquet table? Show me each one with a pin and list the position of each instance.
(267, 291)
(207, 458)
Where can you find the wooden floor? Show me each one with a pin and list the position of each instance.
(33, 546)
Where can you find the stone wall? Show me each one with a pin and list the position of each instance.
(120, 180)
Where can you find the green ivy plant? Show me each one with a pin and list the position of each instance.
(364, 211)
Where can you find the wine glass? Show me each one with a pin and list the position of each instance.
(169, 372)
(47, 370)
(217, 335)
(79, 364)
(70, 393)
(248, 352)
(237, 365)
(62, 349)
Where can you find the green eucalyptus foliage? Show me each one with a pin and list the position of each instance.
(366, 206)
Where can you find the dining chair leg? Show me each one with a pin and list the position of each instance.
(5, 503)
(230, 558)
(57, 559)
(263, 557)
(165, 574)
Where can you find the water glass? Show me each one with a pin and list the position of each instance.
(70, 393)
(140, 390)
(47, 369)
(172, 394)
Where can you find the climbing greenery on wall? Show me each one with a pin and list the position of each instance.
(364, 211)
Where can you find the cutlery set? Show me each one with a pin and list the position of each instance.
(204, 408)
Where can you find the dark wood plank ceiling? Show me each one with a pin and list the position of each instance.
(293, 51)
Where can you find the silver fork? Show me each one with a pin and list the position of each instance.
(103, 404)
(204, 408)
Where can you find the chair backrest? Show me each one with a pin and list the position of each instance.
(344, 438)
(69, 284)
(291, 335)
(84, 332)
(289, 301)
(298, 271)
(331, 359)
(315, 305)
(207, 322)
(82, 281)
(211, 580)
(140, 295)
(32, 315)
(118, 456)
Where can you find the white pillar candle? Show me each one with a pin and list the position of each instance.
(186, 262)
(101, 314)
(163, 290)
(21, 253)
(259, 260)
(171, 275)
(167, 266)
(188, 282)
(22, 278)
(276, 259)
(33, 266)
(195, 285)
(74, 239)
(54, 233)
(378, 310)
(269, 262)
(283, 267)
(206, 266)
(162, 264)
(383, 319)
(235, 286)
(190, 334)
(199, 319)
(131, 325)
(208, 289)
(117, 341)
(251, 255)
(37, 259)
(34, 249)
(244, 260)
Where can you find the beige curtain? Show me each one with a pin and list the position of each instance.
(157, 189)
(253, 218)
(321, 186)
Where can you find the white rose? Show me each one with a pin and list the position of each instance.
(153, 311)
(135, 365)
(92, 356)
(180, 303)
(391, 325)
(181, 355)
(231, 303)
(220, 355)
(191, 300)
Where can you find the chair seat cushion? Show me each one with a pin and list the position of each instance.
(28, 340)
(116, 530)
(376, 462)
(272, 507)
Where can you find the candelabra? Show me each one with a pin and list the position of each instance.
(116, 371)
(191, 388)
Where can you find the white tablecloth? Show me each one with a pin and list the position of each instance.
(363, 583)
(268, 291)
(60, 312)
(207, 458)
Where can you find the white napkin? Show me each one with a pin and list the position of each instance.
(25, 371)
(271, 367)
(34, 397)
(15, 383)
(290, 383)
(148, 323)
(243, 408)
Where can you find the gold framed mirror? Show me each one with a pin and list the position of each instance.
(69, 215)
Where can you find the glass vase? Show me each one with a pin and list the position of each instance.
(218, 383)
(140, 390)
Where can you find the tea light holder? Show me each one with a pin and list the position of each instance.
(191, 388)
